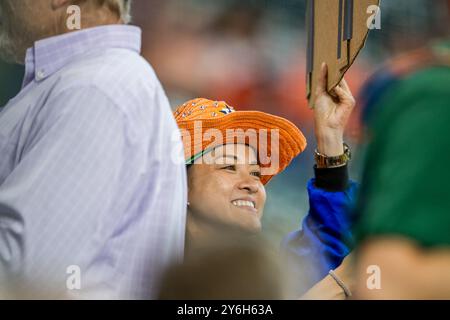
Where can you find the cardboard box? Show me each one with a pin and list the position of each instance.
(337, 31)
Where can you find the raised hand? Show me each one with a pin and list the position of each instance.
(331, 113)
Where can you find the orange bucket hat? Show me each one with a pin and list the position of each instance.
(276, 140)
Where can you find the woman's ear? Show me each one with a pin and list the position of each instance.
(58, 4)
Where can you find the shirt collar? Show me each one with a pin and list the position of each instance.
(49, 55)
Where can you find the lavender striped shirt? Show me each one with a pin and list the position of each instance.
(88, 180)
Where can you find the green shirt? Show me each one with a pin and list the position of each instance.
(406, 184)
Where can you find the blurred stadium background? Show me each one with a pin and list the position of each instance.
(251, 53)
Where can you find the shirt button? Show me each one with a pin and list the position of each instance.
(40, 75)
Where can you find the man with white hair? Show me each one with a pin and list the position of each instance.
(92, 195)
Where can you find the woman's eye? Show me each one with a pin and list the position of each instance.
(230, 167)
(256, 174)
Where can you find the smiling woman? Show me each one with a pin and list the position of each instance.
(227, 178)
(227, 174)
(226, 195)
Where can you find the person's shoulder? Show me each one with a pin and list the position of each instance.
(431, 80)
(112, 69)
(424, 88)
(123, 80)
(123, 76)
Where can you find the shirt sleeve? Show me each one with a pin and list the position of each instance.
(405, 184)
(325, 238)
(53, 202)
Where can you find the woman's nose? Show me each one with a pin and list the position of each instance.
(250, 184)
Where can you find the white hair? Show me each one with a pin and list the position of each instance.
(123, 7)
(125, 10)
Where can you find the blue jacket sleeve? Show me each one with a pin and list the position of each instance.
(325, 238)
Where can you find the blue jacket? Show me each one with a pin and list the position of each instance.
(325, 238)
